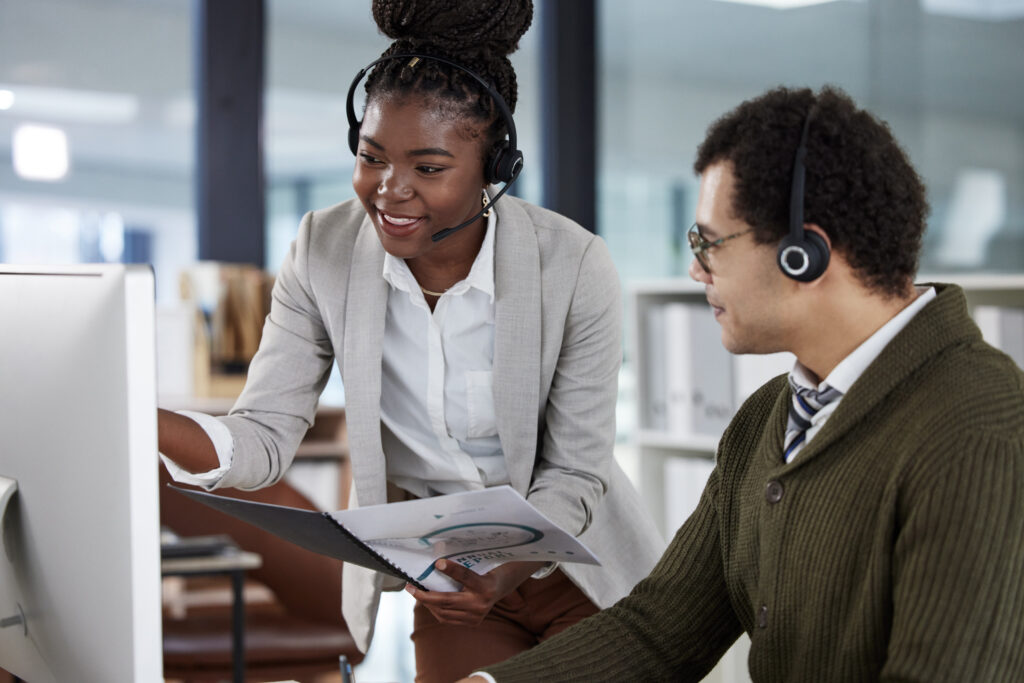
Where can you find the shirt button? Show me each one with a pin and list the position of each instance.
(762, 617)
(773, 492)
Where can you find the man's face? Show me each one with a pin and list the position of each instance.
(745, 287)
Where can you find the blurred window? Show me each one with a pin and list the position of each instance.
(945, 74)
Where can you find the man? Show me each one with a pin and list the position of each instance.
(864, 520)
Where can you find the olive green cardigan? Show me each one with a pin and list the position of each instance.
(891, 548)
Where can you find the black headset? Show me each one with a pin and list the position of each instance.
(803, 255)
(503, 166)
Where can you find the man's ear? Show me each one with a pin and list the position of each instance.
(805, 257)
(815, 228)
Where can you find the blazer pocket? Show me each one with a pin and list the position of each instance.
(481, 421)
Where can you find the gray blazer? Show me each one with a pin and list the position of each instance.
(556, 361)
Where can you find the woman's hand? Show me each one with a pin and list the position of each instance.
(479, 593)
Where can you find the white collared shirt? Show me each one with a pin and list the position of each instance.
(853, 366)
(439, 428)
(437, 402)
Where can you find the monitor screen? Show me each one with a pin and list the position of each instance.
(80, 558)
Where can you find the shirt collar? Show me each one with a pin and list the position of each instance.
(481, 274)
(853, 366)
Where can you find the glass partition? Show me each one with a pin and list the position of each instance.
(96, 134)
(945, 74)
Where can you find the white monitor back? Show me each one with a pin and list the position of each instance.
(80, 565)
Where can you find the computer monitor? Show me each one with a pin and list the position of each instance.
(80, 559)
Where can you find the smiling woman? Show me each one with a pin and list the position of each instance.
(417, 173)
(479, 343)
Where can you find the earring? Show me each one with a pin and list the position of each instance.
(487, 201)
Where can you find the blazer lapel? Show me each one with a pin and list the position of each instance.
(517, 341)
(361, 364)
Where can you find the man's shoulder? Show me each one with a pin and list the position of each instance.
(764, 398)
(755, 411)
(974, 380)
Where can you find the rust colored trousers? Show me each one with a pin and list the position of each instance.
(535, 611)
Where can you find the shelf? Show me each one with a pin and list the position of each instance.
(662, 482)
(700, 443)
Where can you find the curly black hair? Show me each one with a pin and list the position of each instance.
(477, 35)
(860, 187)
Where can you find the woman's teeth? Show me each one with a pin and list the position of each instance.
(398, 221)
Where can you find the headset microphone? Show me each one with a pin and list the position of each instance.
(441, 234)
(802, 255)
(502, 166)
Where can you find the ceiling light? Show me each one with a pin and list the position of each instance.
(40, 152)
(6, 99)
(983, 10)
(66, 104)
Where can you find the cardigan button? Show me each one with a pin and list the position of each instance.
(762, 617)
(773, 492)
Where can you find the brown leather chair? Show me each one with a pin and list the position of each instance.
(298, 641)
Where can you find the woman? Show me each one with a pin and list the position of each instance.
(477, 357)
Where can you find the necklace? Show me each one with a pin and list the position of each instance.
(430, 293)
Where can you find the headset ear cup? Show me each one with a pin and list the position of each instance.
(496, 163)
(511, 164)
(491, 171)
(503, 164)
(353, 139)
(803, 258)
(819, 261)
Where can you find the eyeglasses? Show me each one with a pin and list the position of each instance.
(700, 246)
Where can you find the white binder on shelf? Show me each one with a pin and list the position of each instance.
(678, 369)
(698, 371)
(655, 410)
(712, 371)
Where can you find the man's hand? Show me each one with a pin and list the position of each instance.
(469, 606)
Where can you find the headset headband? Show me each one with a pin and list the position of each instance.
(803, 255)
(503, 165)
(503, 110)
(796, 192)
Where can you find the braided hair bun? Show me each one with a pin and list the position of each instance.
(478, 35)
(457, 27)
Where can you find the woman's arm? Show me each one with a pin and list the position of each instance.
(182, 440)
(573, 464)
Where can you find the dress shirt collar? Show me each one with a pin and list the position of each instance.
(481, 274)
(853, 366)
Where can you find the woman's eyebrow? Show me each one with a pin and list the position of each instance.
(371, 142)
(430, 151)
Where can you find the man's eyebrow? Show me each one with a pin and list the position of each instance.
(705, 232)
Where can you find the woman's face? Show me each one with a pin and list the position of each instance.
(418, 170)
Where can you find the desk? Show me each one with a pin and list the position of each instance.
(234, 563)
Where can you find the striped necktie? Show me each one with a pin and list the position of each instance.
(806, 403)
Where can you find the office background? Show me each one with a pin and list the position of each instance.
(159, 149)
(108, 151)
(119, 80)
